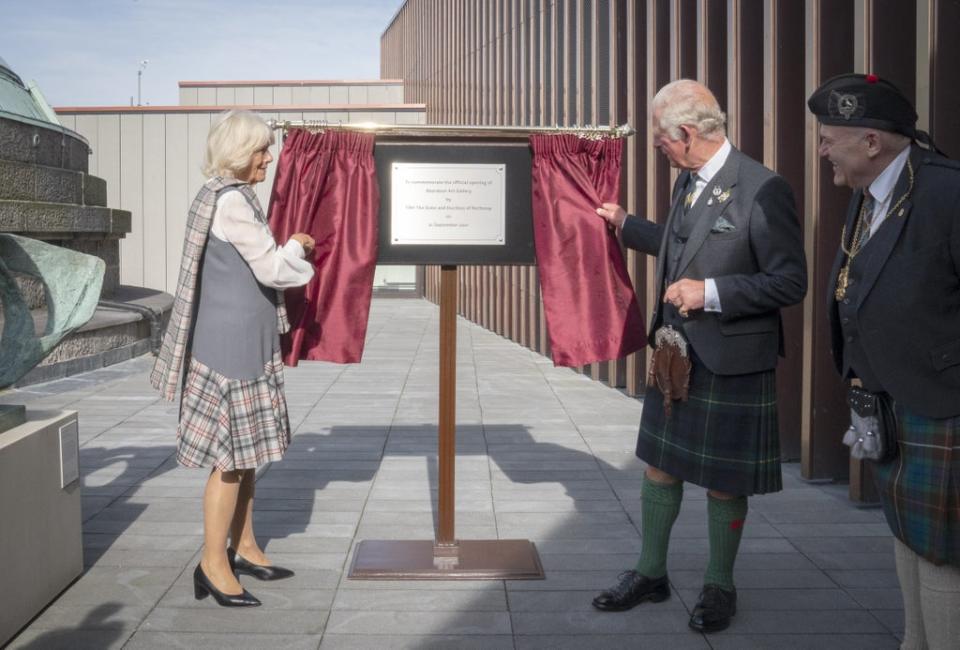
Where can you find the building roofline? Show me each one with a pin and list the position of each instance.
(291, 82)
(261, 108)
(393, 20)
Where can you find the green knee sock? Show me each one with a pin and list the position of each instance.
(660, 506)
(725, 519)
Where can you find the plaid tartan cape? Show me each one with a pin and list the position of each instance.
(171, 361)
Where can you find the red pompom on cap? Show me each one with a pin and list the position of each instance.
(872, 78)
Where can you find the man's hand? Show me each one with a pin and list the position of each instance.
(613, 213)
(306, 241)
(685, 295)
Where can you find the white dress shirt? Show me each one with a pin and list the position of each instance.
(881, 189)
(702, 177)
(273, 266)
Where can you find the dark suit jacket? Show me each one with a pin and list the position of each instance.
(909, 297)
(758, 266)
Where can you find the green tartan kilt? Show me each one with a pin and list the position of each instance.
(724, 437)
(920, 488)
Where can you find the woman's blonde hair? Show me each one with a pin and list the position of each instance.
(232, 141)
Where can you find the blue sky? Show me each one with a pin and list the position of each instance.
(86, 52)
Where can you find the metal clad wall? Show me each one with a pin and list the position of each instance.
(131, 195)
(783, 151)
(208, 97)
(177, 193)
(151, 160)
(154, 202)
(829, 50)
(546, 62)
(225, 93)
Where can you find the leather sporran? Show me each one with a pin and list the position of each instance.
(873, 427)
(670, 367)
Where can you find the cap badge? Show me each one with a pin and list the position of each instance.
(846, 106)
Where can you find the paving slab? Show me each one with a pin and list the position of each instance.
(544, 453)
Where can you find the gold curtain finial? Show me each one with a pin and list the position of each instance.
(588, 132)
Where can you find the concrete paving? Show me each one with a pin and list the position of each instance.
(543, 453)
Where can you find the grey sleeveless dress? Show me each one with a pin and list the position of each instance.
(233, 414)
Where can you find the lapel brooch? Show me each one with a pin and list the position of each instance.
(718, 195)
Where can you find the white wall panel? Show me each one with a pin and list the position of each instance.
(155, 260)
(358, 95)
(197, 130)
(207, 96)
(188, 96)
(107, 154)
(88, 127)
(300, 95)
(263, 95)
(131, 197)
(319, 95)
(282, 95)
(226, 96)
(177, 193)
(244, 95)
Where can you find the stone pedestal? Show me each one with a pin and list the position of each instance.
(40, 520)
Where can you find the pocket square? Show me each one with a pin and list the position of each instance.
(722, 225)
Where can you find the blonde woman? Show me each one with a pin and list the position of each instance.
(223, 336)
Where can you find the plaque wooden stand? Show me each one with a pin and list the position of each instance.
(446, 557)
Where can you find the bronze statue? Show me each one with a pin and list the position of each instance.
(71, 284)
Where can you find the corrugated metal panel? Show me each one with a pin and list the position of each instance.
(155, 260)
(131, 196)
(177, 193)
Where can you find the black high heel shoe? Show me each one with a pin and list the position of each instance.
(202, 587)
(259, 571)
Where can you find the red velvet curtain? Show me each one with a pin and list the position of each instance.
(590, 306)
(326, 186)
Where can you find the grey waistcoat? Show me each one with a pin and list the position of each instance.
(677, 240)
(854, 356)
(235, 331)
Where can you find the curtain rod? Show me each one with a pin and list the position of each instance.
(590, 132)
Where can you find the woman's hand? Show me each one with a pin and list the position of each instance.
(306, 241)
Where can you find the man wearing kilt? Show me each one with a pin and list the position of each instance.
(729, 257)
(900, 256)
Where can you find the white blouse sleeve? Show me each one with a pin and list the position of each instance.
(273, 266)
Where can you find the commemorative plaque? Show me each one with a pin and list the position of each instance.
(447, 204)
(454, 202)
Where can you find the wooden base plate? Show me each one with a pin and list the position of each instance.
(489, 559)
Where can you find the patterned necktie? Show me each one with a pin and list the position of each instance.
(690, 193)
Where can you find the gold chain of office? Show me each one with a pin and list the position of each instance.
(860, 237)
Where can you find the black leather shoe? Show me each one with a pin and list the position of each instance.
(258, 571)
(632, 590)
(714, 609)
(202, 587)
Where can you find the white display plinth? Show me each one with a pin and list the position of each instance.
(41, 541)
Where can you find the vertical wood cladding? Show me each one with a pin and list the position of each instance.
(565, 62)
